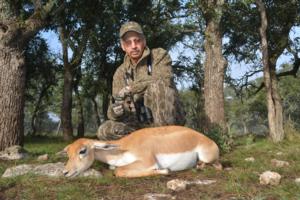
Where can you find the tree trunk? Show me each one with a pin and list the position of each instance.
(215, 65)
(15, 32)
(66, 110)
(33, 124)
(245, 128)
(69, 73)
(12, 87)
(80, 115)
(80, 125)
(98, 120)
(278, 134)
(37, 109)
(274, 105)
(105, 104)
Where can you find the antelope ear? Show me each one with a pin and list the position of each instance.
(63, 152)
(105, 146)
(66, 149)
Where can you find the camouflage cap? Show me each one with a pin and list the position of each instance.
(130, 26)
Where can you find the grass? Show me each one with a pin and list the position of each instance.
(241, 182)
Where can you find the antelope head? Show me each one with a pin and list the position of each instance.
(81, 155)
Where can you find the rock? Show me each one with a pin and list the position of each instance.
(91, 173)
(250, 159)
(269, 178)
(13, 153)
(154, 196)
(228, 168)
(17, 170)
(279, 163)
(43, 157)
(297, 180)
(202, 182)
(177, 185)
(49, 169)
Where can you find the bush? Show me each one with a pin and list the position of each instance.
(221, 137)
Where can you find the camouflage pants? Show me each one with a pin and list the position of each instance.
(165, 106)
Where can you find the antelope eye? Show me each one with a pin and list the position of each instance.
(83, 151)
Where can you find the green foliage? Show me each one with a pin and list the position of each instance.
(43, 74)
(290, 92)
(193, 104)
(195, 118)
(223, 140)
(290, 131)
(241, 23)
(247, 116)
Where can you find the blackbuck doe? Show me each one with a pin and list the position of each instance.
(145, 152)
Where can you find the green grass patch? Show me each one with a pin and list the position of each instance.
(241, 182)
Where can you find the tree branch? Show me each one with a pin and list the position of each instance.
(63, 39)
(37, 4)
(10, 10)
(78, 52)
(41, 17)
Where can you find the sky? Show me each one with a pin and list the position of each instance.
(52, 40)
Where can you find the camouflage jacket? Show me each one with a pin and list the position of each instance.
(138, 77)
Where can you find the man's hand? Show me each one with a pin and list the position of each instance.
(124, 91)
(118, 109)
(118, 103)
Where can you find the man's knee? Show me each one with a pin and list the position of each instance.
(112, 130)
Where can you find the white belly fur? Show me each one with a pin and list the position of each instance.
(177, 161)
(123, 160)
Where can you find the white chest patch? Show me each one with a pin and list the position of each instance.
(122, 160)
(177, 161)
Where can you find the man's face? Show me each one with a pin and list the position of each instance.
(133, 44)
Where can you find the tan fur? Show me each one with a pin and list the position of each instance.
(144, 145)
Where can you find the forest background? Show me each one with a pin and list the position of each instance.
(236, 64)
